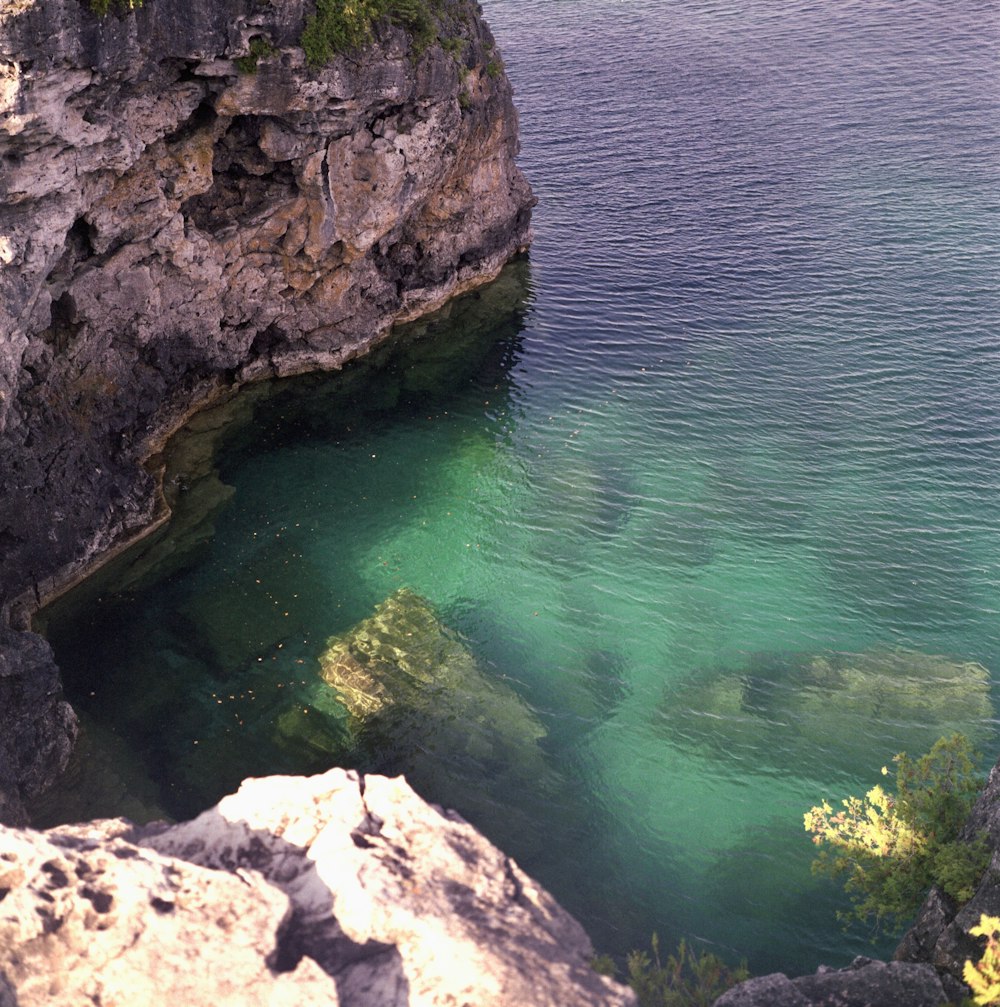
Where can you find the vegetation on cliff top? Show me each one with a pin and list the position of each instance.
(340, 26)
(891, 848)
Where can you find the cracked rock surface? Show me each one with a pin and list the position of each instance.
(332, 889)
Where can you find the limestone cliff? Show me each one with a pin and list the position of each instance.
(186, 205)
(333, 889)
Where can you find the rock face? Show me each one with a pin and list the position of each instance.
(333, 889)
(178, 217)
(37, 727)
(865, 983)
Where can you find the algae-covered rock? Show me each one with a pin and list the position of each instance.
(420, 704)
(820, 709)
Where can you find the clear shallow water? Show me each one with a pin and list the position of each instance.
(740, 409)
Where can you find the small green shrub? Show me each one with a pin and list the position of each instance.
(341, 26)
(603, 965)
(260, 48)
(687, 979)
(891, 848)
(454, 46)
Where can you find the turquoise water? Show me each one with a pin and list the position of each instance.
(736, 422)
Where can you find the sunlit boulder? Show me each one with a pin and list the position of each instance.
(405, 678)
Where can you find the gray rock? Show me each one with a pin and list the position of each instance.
(329, 889)
(88, 917)
(37, 726)
(865, 983)
(774, 990)
(919, 941)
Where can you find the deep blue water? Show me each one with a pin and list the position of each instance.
(737, 417)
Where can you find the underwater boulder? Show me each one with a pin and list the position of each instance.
(833, 710)
(402, 673)
(420, 705)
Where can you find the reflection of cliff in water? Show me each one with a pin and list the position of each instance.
(810, 713)
(197, 647)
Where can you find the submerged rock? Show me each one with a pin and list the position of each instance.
(814, 709)
(420, 704)
(409, 682)
(332, 889)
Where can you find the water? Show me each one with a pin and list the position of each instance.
(734, 428)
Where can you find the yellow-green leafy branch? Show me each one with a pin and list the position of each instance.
(892, 847)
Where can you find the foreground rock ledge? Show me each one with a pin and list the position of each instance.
(332, 889)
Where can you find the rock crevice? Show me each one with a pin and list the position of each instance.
(267, 899)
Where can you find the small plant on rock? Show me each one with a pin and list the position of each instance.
(892, 847)
(343, 26)
(103, 7)
(983, 977)
(260, 48)
(688, 979)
